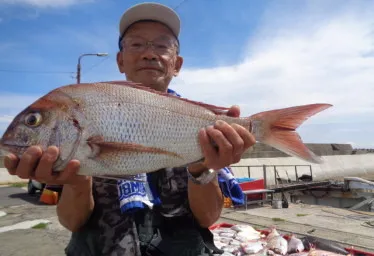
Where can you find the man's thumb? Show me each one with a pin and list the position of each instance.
(234, 111)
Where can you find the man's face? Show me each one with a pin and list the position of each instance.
(153, 65)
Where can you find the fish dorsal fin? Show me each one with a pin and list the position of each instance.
(215, 109)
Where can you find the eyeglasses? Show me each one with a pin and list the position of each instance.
(160, 46)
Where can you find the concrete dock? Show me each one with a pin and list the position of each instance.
(346, 227)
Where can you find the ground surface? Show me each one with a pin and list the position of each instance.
(339, 225)
(20, 207)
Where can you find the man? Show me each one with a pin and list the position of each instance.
(99, 211)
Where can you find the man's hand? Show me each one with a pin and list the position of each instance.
(37, 165)
(206, 201)
(232, 141)
(76, 202)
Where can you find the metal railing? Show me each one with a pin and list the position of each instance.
(276, 171)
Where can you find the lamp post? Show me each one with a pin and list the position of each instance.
(79, 63)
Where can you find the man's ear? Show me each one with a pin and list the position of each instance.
(120, 62)
(178, 65)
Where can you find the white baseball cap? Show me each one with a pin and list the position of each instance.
(150, 11)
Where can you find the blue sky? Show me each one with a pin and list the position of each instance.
(260, 55)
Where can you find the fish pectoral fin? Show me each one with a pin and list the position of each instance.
(100, 147)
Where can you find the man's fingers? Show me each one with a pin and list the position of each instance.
(224, 146)
(70, 171)
(10, 163)
(247, 137)
(28, 162)
(207, 148)
(232, 136)
(234, 111)
(35, 165)
(44, 169)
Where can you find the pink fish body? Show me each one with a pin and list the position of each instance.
(276, 242)
(305, 253)
(295, 245)
(122, 128)
(316, 252)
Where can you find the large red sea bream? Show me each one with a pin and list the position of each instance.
(122, 128)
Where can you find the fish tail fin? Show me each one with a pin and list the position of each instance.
(277, 128)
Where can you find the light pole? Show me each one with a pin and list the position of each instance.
(79, 63)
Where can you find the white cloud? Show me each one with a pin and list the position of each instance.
(331, 62)
(45, 3)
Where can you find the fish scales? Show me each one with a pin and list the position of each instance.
(125, 114)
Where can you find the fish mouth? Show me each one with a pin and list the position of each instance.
(9, 147)
(8, 144)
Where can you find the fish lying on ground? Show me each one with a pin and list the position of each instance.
(123, 128)
(276, 242)
(295, 244)
(245, 240)
(272, 244)
(273, 232)
(323, 244)
(317, 252)
(304, 253)
(246, 233)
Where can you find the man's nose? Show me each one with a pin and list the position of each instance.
(149, 53)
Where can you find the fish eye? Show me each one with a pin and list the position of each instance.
(33, 119)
